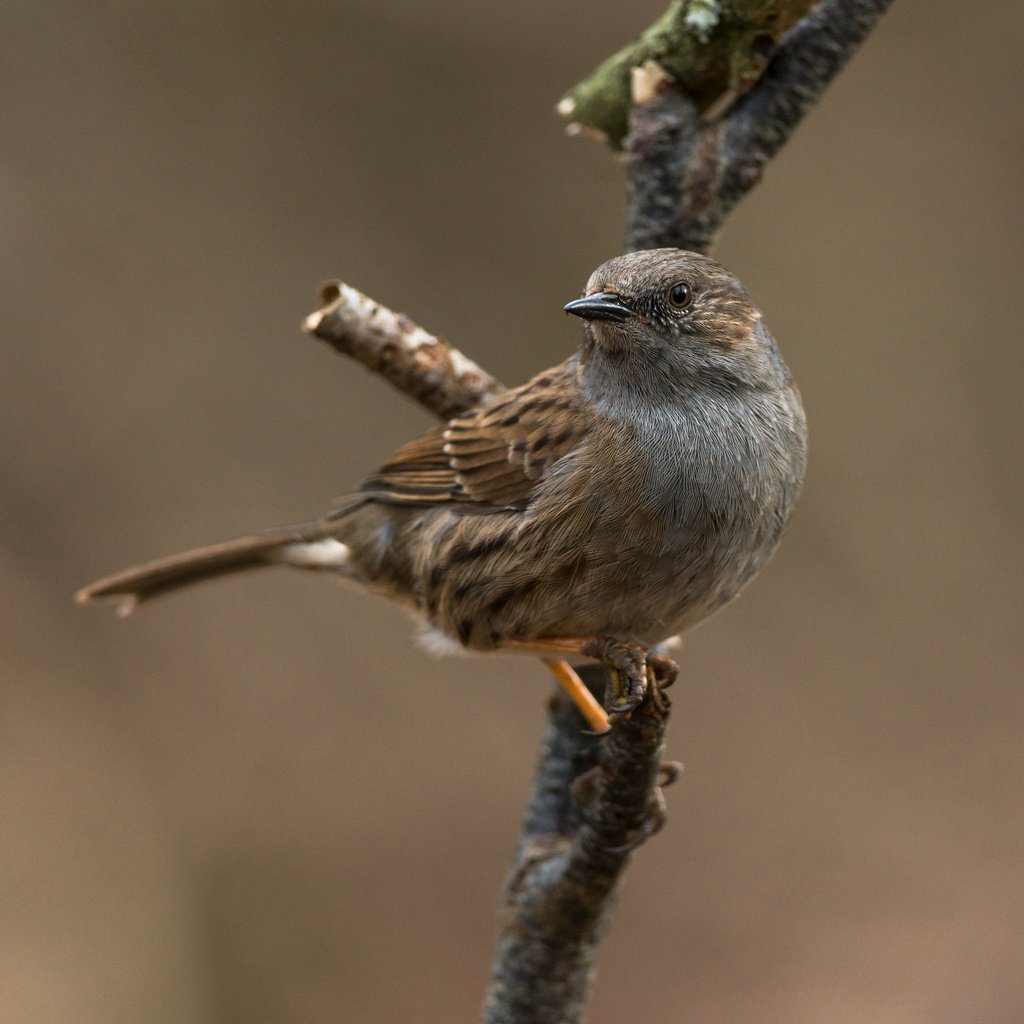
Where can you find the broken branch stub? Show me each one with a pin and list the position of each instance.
(418, 363)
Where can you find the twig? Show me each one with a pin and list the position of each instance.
(417, 362)
(686, 173)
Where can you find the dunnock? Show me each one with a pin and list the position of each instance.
(601, 508)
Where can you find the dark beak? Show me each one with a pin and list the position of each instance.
(600, 306)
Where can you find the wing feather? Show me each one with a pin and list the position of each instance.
(492, 456)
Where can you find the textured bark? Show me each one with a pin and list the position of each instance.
(709, 48)
(594, 801)
(417, 362)
(686, 173)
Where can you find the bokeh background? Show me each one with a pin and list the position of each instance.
(260, 802)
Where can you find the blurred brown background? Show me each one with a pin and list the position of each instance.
(260, 802)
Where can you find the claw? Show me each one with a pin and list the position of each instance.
(665, 670)
(622, 703)
(668, 773)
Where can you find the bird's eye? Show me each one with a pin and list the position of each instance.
(680, 295)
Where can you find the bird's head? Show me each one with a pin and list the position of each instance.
(674, 314)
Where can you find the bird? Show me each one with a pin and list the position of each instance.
(604, 507)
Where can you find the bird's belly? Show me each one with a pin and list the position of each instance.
(642, 564)
(638, 585)
(649, 596)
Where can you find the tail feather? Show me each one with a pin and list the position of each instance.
(298, 546)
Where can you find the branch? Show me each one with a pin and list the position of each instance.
(595, 800)
(802, 68)
(421, 364)
(687, 173)
(577, 839)
(707, 47)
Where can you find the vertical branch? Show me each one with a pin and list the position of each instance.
(686, 171)
(594, 801)
(664, 137)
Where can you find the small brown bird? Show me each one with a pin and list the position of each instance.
(603, 507)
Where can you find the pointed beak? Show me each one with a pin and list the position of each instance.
(600, 306)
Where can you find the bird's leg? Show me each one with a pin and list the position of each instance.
(580, 695)
(629, 666)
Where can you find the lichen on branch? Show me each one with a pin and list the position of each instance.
(709, 48)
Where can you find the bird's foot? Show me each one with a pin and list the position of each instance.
(627, 673)
(633, 673)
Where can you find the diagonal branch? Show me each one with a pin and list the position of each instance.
(801, 69)
(687, 173)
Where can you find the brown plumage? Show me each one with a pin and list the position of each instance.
(624, 495)
(493, 456)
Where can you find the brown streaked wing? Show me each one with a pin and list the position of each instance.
(494, 455)
(418, 473)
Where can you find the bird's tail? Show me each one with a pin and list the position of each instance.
(305, 547)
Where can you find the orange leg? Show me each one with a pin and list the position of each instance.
(630, 665)
(580, 695)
